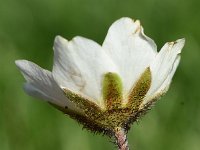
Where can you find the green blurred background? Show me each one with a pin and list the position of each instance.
(27, 31)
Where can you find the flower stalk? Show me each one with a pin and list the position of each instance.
(121, 139)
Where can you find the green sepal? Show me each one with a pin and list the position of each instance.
(87, 106)
(139, 91)
(112, 91)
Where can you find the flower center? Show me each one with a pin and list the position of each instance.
(115, 114)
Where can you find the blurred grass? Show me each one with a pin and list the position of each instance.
(27, 31)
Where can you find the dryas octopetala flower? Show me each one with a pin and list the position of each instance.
(106, 87)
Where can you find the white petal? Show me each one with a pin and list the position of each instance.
(130, 49)
(165, 85)
(164, 65)
(41, 84)
(79, 65)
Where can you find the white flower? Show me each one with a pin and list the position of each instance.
(106, 86)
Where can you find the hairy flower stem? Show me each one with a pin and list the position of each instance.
(121, 139)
